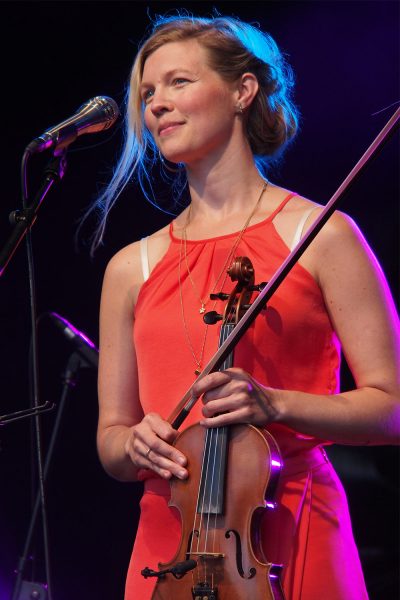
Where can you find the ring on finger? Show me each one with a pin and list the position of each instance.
(147, 453)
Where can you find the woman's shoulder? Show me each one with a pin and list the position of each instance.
(338, 246)
(128, 258)
(123, 275)
(340, 235)
(340, 240)
(299, 206)
(125, 270)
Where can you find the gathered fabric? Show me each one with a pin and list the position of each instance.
(291, 345)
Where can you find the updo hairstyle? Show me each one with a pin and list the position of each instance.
(233, 48)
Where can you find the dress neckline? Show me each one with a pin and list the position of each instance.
(235, 233)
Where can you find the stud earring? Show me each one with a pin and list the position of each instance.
(240, 108)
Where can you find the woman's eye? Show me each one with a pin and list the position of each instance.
(147, 95)
(179, 80)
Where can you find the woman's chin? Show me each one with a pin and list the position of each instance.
(174, 159)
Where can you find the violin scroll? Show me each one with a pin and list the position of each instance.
(239, 300)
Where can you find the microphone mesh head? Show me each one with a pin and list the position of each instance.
(110, 108)
(97, 114)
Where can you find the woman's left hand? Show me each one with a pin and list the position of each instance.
(233, 396)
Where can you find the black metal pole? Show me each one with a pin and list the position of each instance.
(24, 219)
(75, 362)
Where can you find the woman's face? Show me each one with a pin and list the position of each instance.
(189, 109)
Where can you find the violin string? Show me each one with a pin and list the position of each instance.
(198, 516)
(203, 513)
(219, 433)
(213, 446)
(207, 502)
(203, 517)
(212, 439)
(211, 457)
(216, 435)
(216, 445)
(224, 336)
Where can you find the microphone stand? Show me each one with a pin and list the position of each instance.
(60, 136)
(75, 363)
(23, 221)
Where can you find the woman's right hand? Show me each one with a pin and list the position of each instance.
(149, 447)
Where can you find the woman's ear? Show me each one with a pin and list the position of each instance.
(247, 90)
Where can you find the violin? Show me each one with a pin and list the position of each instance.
(234, 471)
(221, 502)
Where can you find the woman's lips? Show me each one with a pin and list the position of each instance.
(168, 128)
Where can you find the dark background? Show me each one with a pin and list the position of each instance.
(55, 56)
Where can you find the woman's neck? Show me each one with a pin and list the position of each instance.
(223, 190)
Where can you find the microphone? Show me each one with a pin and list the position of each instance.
(82, 343)
(96, 114)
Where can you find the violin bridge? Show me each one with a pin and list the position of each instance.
(208, 555)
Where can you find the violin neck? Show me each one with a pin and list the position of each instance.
(226, 330)
(211, 495)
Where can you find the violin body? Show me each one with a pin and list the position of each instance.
(224, 540)
(233, 473)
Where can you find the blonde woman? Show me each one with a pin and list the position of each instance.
(211, 100)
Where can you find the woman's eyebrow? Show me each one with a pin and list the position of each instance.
(167, 75)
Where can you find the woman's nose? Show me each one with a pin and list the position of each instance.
(160, 102)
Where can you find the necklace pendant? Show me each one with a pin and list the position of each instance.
(197, 372)
(202, 309)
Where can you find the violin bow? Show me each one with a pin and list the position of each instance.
(184, 407)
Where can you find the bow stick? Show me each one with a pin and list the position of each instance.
(188, 401)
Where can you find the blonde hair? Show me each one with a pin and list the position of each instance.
(233, 48)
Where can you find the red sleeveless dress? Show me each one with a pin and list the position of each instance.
(290, 346)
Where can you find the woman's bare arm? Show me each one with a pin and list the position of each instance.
(363, 315)
(119, 407)
(128, 440)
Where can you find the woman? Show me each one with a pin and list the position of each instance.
(212, 97)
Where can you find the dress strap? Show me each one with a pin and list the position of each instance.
(282, 205)
(300, 227)
(144, 257)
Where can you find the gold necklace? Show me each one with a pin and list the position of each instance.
(204, 303)
(183, 250)
(199, 360)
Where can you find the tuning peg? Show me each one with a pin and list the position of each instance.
(211, 317)
(258, 287)
(219, 296)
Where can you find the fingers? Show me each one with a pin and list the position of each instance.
(149, 447)
(166, 462)
(230, 397)
(210, 382)
(227, 418)
(216, 381)
(224, 384)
